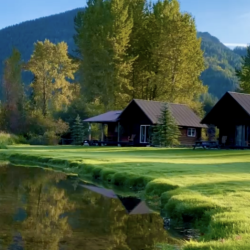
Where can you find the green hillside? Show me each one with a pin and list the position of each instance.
(221, 61)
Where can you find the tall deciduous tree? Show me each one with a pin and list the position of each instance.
(134, 49)
(243, 74)
(103, 32)
(12, 109)
(178, 55)
(52, 69)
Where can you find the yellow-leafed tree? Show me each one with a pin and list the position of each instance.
(53, 70)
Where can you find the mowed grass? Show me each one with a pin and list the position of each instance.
(210, 188)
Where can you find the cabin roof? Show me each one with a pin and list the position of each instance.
(111, 116)
(242, 99)
(183, 115)
(232, 105)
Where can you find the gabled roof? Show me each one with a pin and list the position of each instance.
(232, 105)
(111, 116)
(183, 115)
(242, 99)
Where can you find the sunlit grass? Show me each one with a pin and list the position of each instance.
(209, 187)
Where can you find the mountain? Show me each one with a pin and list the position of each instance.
(220, 60)
(221, 63)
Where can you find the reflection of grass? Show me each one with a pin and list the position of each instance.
(210, 188)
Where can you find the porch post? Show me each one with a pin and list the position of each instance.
(118, 130)
(89, 131)
(102, 132)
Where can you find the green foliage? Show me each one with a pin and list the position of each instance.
(77, 131)
(166, 132)
(243, 74)
(8, 139)
(52, 69)
(221, 63)
(12, 114)
(106, 65)
(208, 102)
(142, 51)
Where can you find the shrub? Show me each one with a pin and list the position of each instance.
(8, 139)
(37, 140)
(3, 146)
(49, 138)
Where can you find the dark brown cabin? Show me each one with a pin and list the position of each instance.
(231, 115)
(132, 125)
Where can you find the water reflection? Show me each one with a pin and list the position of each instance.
(43, 210)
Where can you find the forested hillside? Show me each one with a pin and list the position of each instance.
(221, 61)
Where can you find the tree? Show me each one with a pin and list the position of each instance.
(178, 55)
(133, 49)
(52, 69)
(208, 101)
(166, 132)
(243, 74)
(12, 109)
(102, 39)
(77, 131)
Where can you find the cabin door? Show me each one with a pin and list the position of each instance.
(240, 136)
(144, 134)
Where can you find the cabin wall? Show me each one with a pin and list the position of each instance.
(131, 120)
(185, 140)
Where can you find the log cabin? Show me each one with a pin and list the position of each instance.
(132, 126)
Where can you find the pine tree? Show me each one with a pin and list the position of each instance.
(77, 131)
(166, 132)
(243, 74)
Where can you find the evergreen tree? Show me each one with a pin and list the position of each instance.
(243, 74)
(166, 132)
(77, 131)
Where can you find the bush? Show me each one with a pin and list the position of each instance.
(37, 140)
(8, 139)
(49, 138)
(3, 146)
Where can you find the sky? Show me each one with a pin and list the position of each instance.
(228, 20)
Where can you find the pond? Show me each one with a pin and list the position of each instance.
(46, 210)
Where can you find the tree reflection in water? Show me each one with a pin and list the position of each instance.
(43, 210)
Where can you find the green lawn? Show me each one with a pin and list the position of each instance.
(210, 187)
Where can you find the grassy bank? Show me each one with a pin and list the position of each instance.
(208, 188)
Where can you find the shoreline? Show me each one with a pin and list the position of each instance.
(180, 203)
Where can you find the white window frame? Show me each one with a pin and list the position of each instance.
(191, 132)
(145, 133)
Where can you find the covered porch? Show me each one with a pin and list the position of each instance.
(115, 131)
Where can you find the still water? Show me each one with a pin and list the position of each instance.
(46, 210)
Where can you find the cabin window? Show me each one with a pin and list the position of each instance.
(191, 132)
(144, 134)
